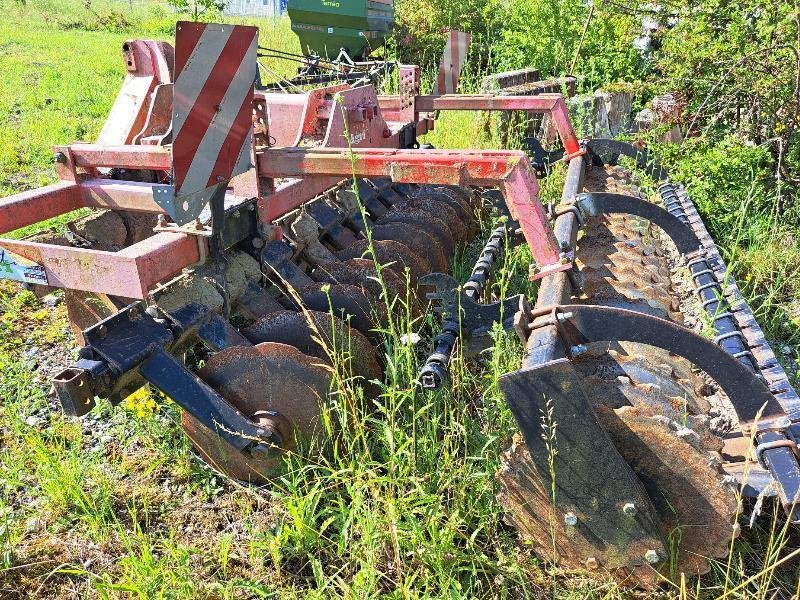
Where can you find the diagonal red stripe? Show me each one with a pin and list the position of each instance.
(202, 113)
(229, 152)
(186, 36)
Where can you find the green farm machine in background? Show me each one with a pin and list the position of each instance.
(337, 39)
(326, 27)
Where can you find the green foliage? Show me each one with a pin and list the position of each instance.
(515, 34)
(722, 177)
(736, 66)
(199, 9)
(546, 34)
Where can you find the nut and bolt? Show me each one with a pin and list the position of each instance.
(162, 220)
(578, 350)
(592, 563)
(570, 519)
(629, 509)
(652, 556)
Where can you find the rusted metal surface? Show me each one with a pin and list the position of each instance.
(348, 302)
(27, 208)
(423, 244)
(390, 253)
(129, 273)
(592, 481)
(321, 335)
(123, 157)
(268, 377)
(508, 169)
(148, 63)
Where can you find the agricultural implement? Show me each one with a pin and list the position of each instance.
(337, 40)
(246, 228)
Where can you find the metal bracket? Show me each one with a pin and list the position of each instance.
(475, 319)
(607, 151)
(132, 345)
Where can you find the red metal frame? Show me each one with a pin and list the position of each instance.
(373, 123)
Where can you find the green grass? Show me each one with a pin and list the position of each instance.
(401, 505)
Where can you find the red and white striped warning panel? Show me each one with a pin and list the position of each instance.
(215, 70)
(455, 53)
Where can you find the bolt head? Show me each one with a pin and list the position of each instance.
(570, 519)
(264, 451)
(578, 350)
(592, 563)
(652, 556)
(629, 509)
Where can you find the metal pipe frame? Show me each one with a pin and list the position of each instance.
(510, 170)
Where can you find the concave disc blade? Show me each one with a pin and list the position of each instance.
(438, 219)
(348, 302)
(388, 252)
(267, 377)
(293, 328)
(420, 241)
(361, 272)
(432, 224)
(462, 204)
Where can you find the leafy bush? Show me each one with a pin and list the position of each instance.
(546, 34)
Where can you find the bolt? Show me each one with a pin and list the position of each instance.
(263, 451)
(592, 563)
(152, 311)
(570, 519)
(162, 220)
(578, 350)
(651, 556)
(198, 224)
(629, 509)
(60, 157)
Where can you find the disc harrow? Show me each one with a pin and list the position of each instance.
(242, 277)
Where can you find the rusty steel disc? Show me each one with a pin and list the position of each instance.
(361, 272)
(290, 386)
(293, 328)
(418, 219)
(696, 509)
(462, 202)
(390, 253)
(442, 208)
(348, 302)
(419, 241)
